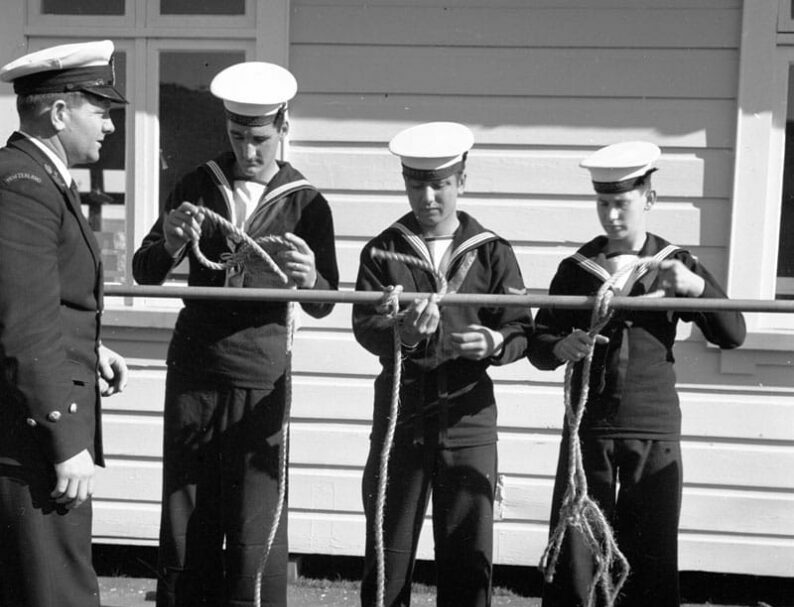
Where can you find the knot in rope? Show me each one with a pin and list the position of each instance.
(250, 249)
(389, 305)
(578, 511)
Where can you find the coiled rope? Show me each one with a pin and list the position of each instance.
(578, 511)
(391, 306)
(251, 249)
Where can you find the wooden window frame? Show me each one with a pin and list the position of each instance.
(758, 170)
(263, 34)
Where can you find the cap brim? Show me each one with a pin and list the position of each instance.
(106, 92)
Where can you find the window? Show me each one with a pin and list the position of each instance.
(167, 52)
(762, 241)
(84, 7)
(785, 256)
(202, 7)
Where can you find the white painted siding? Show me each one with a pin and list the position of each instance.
(542, 83)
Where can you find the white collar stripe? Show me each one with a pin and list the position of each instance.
(416, 242)
(472, 243)
(224, 187)
(280, 191)
(588, 264)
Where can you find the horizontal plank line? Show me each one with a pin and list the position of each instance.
(737, 441)
(351, 145)
(682, 532)
(529, 98)
(484, 47)
(124, 501)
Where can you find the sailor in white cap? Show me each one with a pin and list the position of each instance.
(445, 442)
(226, 382)
(632, 421)
(50, 306)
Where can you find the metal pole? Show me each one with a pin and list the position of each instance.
(681, 304)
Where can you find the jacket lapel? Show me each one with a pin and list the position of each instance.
(72, 198)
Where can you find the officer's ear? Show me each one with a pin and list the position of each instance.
(57, 114)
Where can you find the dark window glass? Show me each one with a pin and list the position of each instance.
(192, 120)
(202, 7)
(82, 7)
(785, 256)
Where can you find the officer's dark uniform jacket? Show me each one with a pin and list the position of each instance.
(632, 380)
(50, 306)
(451, 396)
(238, 343)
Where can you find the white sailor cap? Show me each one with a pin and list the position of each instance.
(254, 93)
(82, 66)
(432, 151)
(621, 167)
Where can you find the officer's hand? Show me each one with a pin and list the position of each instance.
(576, 345)
(74, 480)
(113, 372)
(420, 321)
(298, 263)
(676, 279)
(181, 226)
(476, 342)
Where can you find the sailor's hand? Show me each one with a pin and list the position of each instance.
(181, 226)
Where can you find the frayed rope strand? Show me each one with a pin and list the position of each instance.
(578, 511)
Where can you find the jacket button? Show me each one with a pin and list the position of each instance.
(31, 422)
(54, 416)
(73, 408)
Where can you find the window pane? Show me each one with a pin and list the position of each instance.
(202, 7)
(192, 121)
(82, 7)
(102, 189)
(785, 258)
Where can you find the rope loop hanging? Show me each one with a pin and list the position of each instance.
(248, 253)
(250, 247)
(578, 511)
(390, 306)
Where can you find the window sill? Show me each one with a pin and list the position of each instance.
(151, 317)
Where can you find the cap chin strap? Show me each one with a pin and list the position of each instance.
(258, 120)
(434, 174)
(618, 187)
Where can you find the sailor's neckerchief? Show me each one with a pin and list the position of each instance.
(269, 205)
(589, 265)
(466, 252)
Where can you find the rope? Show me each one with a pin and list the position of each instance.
(283, 456)
(578, 511)
(391, 306)
(251, 249)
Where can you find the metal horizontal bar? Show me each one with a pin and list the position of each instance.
(682, 304)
